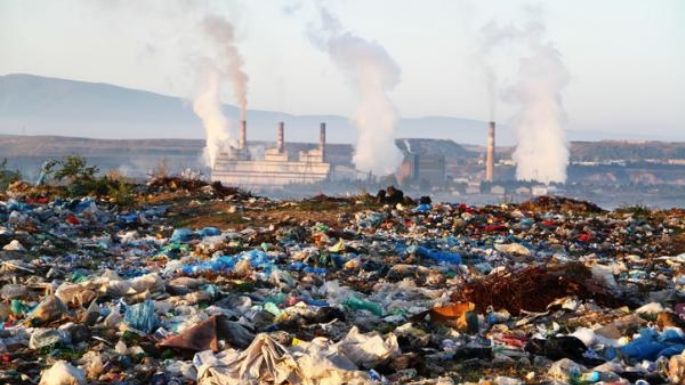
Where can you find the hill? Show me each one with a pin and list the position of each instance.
(37, 105)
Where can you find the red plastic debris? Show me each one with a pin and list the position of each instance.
(494, 228)
(72, 220)
(584, 237)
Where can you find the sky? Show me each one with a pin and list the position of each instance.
(626, 58)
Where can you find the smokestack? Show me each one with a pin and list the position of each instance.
(322, 141)
(279, 137)
(242, 144)
(490, 154)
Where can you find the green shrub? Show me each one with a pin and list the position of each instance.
(7, 177)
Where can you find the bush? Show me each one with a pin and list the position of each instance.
(7, 177)
(121, 193)
(80, 179)
(74, 169)
(76, 175)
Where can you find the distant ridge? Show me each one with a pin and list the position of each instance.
(36, 105)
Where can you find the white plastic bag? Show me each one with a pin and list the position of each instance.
(63, 373)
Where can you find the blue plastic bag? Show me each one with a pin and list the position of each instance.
(422, 208)
(142, 317)
(651, 345)
(220, 264)
(181, 235)
(209, 232)
(439, 255)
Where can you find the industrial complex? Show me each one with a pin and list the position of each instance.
(277, 168)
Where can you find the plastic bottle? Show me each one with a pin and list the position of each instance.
(595, 376)
(360, 304)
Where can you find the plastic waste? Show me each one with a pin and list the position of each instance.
(322, 362)
(142, 317)
(15, 245)
(13, 291)
(368, 350)
(422, 208)
(514, 292)
(48, 337)
(63, 373)
(93, 364)
(206, 335)
(565, 370)
(513, 248)
(264, 361)
(676, 369)
(360, 304)
(651, 345)
(50, 309)
(181, 235)
(439, 255)
(209, 232)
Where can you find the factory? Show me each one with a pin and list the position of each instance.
(277, 169)
(422, 168)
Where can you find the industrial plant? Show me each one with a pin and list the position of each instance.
(277, 168)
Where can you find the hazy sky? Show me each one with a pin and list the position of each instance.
(626, 57)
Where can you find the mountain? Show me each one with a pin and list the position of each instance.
(37, 105)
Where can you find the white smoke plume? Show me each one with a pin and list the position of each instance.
(373, 73)
(205, 41)
(207, 106)
(492, 35)
(227, 66)
(541, 152)
(230, 61)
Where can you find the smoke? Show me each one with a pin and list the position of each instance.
(226, 66)
(491, 84)
(491, 36)
(230, 60)
(541, 152)
(373, 73)
(198, 35)
(207, 106)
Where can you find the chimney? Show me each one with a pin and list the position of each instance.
(490, 154)
(242, 144)
(322, 141)
(280, 144)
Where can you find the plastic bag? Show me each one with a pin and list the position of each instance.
(63, 373)
(368, 350)
(439, 255)
(48, 337)
(181, 235)
(142, 317)
(50, 309)
(264, 361)
(322, 362)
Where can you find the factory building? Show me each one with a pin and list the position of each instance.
(277, 169)
(422, 168)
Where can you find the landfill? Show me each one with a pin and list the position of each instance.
(195, 283)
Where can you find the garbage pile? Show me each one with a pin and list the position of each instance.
(213, 286)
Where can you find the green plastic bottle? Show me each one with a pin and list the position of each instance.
(360, 304)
